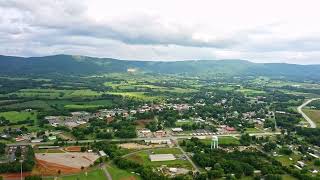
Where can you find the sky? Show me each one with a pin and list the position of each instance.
(256, 30)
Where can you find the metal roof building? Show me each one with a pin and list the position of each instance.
(162, 157)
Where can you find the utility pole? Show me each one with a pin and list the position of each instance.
(21, 161)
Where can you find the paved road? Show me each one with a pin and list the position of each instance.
(106, 172)
(312, 124)
(141, 139)
(188, 158)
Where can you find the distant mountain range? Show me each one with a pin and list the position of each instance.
(82, 65)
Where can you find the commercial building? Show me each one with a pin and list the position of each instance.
(162, 157)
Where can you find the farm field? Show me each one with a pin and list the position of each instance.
(314, 115)
(16, 116)
(54, 93)
(137, 95)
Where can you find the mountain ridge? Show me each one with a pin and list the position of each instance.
(84, 65)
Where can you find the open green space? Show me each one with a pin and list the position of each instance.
(137, 95)
(313, 114)
(224, 141)
(54, 93)
(96, 174)
(143, 158)
(15, 116)
(285, 159)
(120, 174)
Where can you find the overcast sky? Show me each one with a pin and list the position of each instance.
(255, 30)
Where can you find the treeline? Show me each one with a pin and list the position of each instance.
(311, 135)
(27, 165)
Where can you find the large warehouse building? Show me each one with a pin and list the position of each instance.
(162, 157)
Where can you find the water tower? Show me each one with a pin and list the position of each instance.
(214, 142)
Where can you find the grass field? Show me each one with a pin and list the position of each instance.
(313, 114)
(15, 116)
(285, 161)
(252, 130)
(224, 141)
(143, 158)
(96, 174)
(137, 95)
(55, 93)
(37, 104)
(120, 174)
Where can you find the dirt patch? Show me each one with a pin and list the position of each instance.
(136, 158)
(73, 149)
(15, 176)
(73, 160)
(143, 122)
(46, 168)
(139, 146)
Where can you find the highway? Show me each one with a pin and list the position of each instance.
(312, 124)
(141, 139)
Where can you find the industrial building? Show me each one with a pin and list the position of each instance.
(162, 157)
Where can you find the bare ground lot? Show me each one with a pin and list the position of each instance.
(139, 146)
(73, 160)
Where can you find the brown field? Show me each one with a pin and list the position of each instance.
(139, 146)
(314, 115)
(48, 168)
(14, 176)
(143, 122)
(73, 149)
(73, 160)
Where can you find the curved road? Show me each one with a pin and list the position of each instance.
(312, 124)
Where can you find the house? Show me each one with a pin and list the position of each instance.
(177, 130)
(36, 140)
(160, 133)
(52, 138)
(158, 141)
(19, 139)
(102, 153)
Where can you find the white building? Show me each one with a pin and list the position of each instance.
(162, 157)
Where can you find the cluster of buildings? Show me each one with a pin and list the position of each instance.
(81, 117)
(76, 119)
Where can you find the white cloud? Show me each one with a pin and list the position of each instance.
(261, 31)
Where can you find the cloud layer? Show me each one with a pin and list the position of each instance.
(264, 31)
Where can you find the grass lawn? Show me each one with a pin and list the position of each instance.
(313, 114)
(285, 161)
(224, 141)
(143, 158)
(15, 116)
(252, 130)
(96, 174)
(120, 174)
(179, 124)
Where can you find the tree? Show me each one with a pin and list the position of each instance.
(245, 139)
(269, 146)
(272, 177)
(33, 178)
(2, 148)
